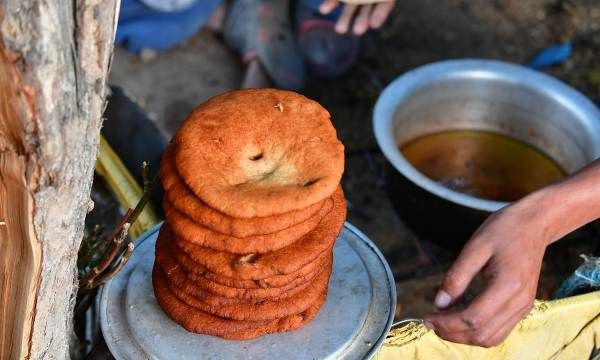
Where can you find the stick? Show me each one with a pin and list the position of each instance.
(109, 275)
(117, 241)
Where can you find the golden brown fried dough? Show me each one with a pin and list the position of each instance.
(186, 202)
(218, 294)
(283, 261)
(253, 208)
(198, 321)
(259, 152)
(265, 310)
(186, 229)
(300, 276)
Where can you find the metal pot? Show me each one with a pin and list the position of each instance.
(476, 95)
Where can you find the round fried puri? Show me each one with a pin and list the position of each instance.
(197, 289)
(282, 261)
(186, 202)
(188, 230)
(196, 284)
(295, 278)
(198, 321)
(267, 310)
(259, 152)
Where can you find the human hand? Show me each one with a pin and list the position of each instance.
(508, 249)
(370, 16)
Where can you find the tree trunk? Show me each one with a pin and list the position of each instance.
(54, 58)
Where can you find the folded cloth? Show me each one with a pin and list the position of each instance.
(568, 328)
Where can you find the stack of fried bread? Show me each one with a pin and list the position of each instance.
(253, 206)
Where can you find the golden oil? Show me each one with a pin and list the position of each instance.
(482, 164)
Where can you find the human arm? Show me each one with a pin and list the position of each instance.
(508, 249)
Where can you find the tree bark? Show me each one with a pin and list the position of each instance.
(54, 58)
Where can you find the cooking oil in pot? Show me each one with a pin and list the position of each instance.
(482, 164)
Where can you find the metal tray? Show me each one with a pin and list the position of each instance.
(352, 324)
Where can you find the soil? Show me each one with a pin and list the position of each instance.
(169, 84)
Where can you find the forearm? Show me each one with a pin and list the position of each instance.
(569, 204)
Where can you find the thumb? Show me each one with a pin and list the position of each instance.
(471, 260)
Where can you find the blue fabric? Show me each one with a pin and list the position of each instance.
(586, 276)
(552, 55)
(142, 27)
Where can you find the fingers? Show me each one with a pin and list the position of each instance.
(497, 300)
(380, 13)
(495, 331)
(328, 6)
(471, 260)
(361, 23)
(506, 329)
(343, 23)
(369, 16)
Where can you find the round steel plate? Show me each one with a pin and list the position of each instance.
(351, 324)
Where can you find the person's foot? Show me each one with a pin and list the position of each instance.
(261, 31)
(256, 76)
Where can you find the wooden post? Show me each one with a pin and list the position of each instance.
(54, 58)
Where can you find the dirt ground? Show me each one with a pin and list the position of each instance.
(168, 85)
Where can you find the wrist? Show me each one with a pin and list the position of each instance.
(540, 208)
(565, 206)
(550, 211)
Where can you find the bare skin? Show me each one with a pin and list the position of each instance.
(508, 250)
(370, 16)
(255, 76)
(365, 17)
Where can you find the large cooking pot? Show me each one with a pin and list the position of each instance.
(476, 95)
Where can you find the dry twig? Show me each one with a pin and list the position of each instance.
(112, 272)
(98, 258)
(117, 240)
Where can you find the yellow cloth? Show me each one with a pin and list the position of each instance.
(559, 330)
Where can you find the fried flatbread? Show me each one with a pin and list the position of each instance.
(185, 201)
(185, 228)
(259, 152)
(198, 321)
(283, 261)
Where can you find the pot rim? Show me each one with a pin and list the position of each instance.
(399, 89)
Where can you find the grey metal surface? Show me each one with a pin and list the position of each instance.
(117, 334)
(352, 324)
(485, 95)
